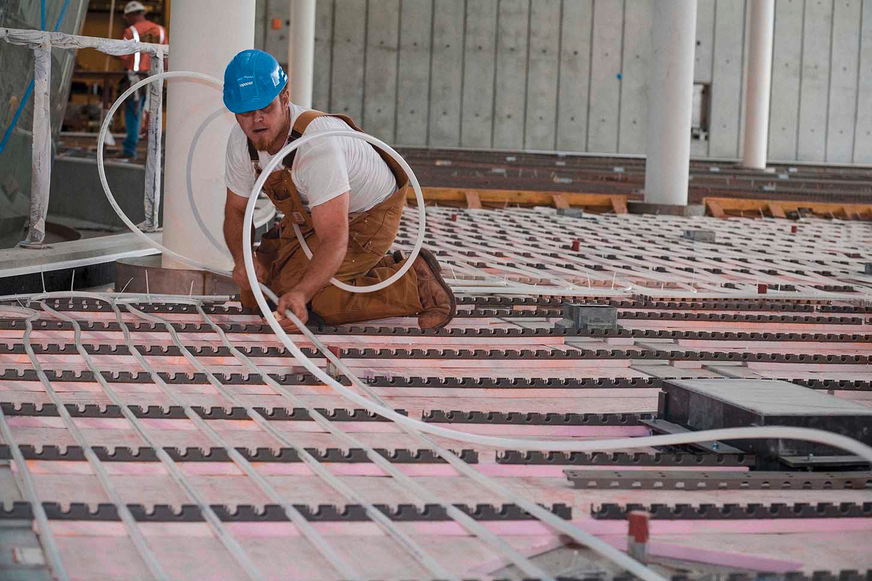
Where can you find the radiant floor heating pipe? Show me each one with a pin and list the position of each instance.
(555, 522)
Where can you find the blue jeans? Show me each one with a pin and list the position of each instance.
(132, 116)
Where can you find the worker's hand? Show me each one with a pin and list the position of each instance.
(294, 301)
(240, 277)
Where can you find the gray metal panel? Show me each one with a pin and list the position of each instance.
(743, 102)
(843, 81)
(634, 75)
(542, 75)
(478, 76)
(510, 92)
(726, 96)
(349, 33)
(602, 130)
(863, 130)
(413, 90)
(574, 75)
(380, 85)
(259, 24)
(771, 397)
(447, 73)
(786, 62)
(702, 69)
(705, 23)
(323, 55)
(814, 87)
(276, 40)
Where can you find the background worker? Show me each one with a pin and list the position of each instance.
(138, 66)
(346, 197)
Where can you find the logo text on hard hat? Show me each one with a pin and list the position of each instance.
(246, 83)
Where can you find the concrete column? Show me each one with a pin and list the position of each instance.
(670, 100)
(206, 34)
(301, 51)
(759, 83)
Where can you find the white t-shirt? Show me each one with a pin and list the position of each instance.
(322, 169)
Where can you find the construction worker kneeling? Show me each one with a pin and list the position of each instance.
(346, 196)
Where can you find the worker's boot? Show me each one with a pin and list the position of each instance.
(385, 262)
(433, 292)
(391, 258)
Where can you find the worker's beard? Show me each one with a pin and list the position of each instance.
(262, 141)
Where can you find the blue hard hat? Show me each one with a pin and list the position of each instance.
(252, 80)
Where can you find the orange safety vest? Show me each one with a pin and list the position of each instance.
(143, 31)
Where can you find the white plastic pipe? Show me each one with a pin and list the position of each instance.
(670, 101)
(181, 258)
(762, 23)
(301, 51)
(207, 34)
(421, 427)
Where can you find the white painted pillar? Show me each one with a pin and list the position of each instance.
(154, 161)
(206, 35)
(40, 181)
(301, 51)
(670, 98)
(759, 83)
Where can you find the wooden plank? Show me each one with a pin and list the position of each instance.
(413, 85)
(478, 73)
(634, 76)
(619, 204)
(559, 201)
(776, 210)
(473, 201)
(323, 51)
(602, 131)
(447, 75)
(814, 86)
(380, 87)
(542, 75)
(348, 53)
(863, 130)
(843, 81)
(511, 74)
(714, 208)
(574, 76)
(724, 206)
(460, 197)
(727, 91)
(786, 59)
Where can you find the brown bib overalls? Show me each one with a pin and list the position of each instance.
(370, 236)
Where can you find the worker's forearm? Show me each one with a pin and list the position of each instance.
(233, 235)
(326, 260)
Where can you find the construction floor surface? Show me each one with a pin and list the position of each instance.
(180, 436)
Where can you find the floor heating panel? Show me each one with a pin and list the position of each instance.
(193, 454)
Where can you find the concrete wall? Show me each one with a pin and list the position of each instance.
(76, 191)
(571, 75)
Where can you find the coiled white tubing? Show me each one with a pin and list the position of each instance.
(804, 434)
(419, 195)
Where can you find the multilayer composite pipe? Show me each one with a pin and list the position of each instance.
(623, 560)
(212, 81)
